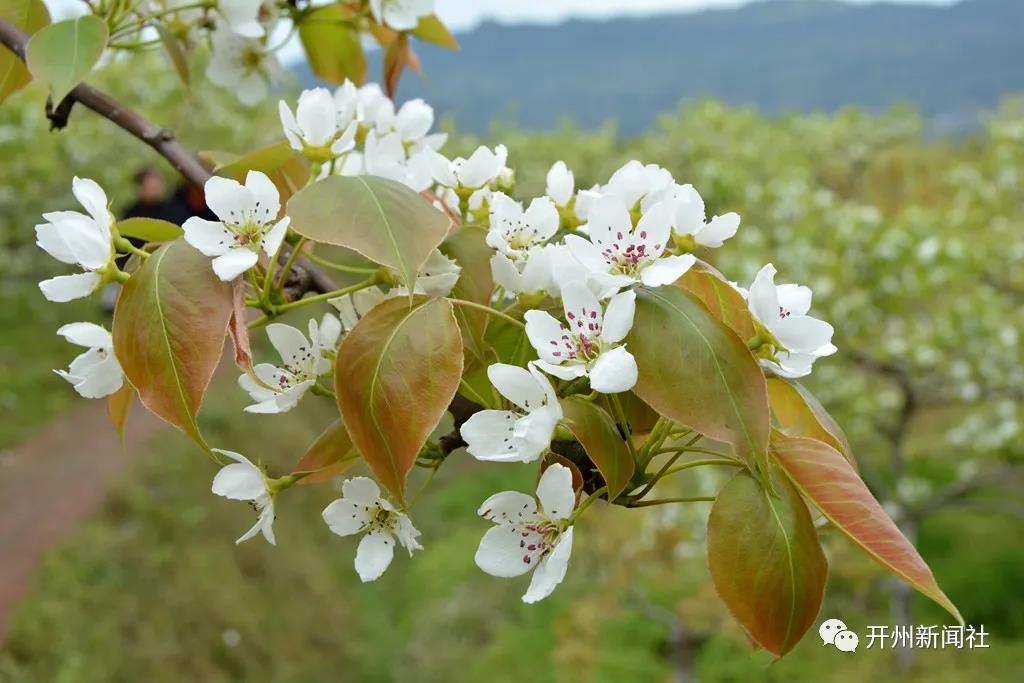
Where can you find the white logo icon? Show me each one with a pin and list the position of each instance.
(834, 632)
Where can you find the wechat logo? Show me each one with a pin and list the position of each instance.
(834, 632)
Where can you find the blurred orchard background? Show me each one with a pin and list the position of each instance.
(909, 231)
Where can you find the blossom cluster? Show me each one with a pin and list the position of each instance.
(571, 259)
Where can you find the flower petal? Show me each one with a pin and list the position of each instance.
(346, 517)
(517, 385)
(361, 490)
(509, 507)
(618, 317)
(551, 569)
(233, 263)
(718, 230)
(764, 301)
(239, 481)
(502, 552)
(211, 238)
(89, 335)
(665, 271)
(555, 492)
(489, 435)
(547, 336)
(614, 371)
(374, 555)
(65, 288)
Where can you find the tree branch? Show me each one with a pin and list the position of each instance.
(160, 139)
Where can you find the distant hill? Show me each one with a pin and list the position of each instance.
(809, 55)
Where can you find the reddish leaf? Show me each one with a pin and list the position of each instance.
(826, 478)
(600, 438)
(696, 371)
(721, 298)
(238, 329)
(169, 328)
(766, 561)
(798, 413)
(396, 373)
(119, 404)
(397, 56)
(331, 454)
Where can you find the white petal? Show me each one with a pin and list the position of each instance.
(100, 379)
(290, 126)
(764, 302)
(614, 371)
(346, 517)
(555, 492)
(233, 263)
(583, 313)
(49, 240)
(226, 197)
(654, 228)
(545, 335)
(718, 230)
(290, 343)
(374, 555)
(209, 237)
(532, 434)
(587, 253)
(272, 239)
(361, 490)
(551, 569)
(239, 481)
(517, 385)
(618, 317)
(666, 270)
(509, 507)
(69, 287)
(89, 335)
(501, 552)
(265, 192)
(505, 273)
(561, 371)
(88, 241)
(608, 223)
(489, 435)
(560, 183)
(794, 298)
(802, 333)
(406, 533)
(480, 168)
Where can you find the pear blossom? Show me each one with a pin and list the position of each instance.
(796, 338)
(78, 239)
(314, 129)
(690, 221)
(242, 17)
(401, 15)
(352, 307)
(513, 230)
(619, 254)
(530, 533)
(481, 168)
(514, 435)
(413, 122)
(248, 223)
(588, 343)
(243, 65)
(279, 389)
(242, 480)
(95, 373)
(631, 183)
(561, 184)
(362, 510)
(436, 277)
(532, 272)
(384, 155)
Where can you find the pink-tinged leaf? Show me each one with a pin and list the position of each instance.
(798, 413)
(468, 247)
(397, 55)
(722, 299)
(395, 375)
(828, 480)
(119, 404)
(694, 370)
(597, 433)
(169, 328)
(765, 560)
(329, 456)
(237, 328)
(381, 219)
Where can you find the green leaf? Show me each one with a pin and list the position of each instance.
(430, 29)
(725, 303)
(332, 45)
(381, 219)
(29, 16)
(175, 52)
(468, 247)
(330, 455)
(396, 373)
(696, 371)
(798, 413)
(119, 404)
(504, 343)
(62, 54)
(149, 229)
(828, 480)
(169, 328)
(765, 560)
(596, 431)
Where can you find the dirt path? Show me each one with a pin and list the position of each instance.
(54, 480)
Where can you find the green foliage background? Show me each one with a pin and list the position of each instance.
(913, 247)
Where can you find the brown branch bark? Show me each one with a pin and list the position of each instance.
(161, 139)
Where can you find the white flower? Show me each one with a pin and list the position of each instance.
(401, 15)
(280, 388)
(527, 536)
(588, 343)
(242, 17)
(248, 223)
(314, 128)
(384, 155)
(242, 480)
(510, 435)
(513, 230)
(618, 254)
(481, 168)
(782, 309)
(95, 373)
(436, 277)
(352, 307)
(560, 184)
(78, 239)
(243, 65)
(414, 120)
(362, 510)
(634, 181)
(531, 272)
(689, 218)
